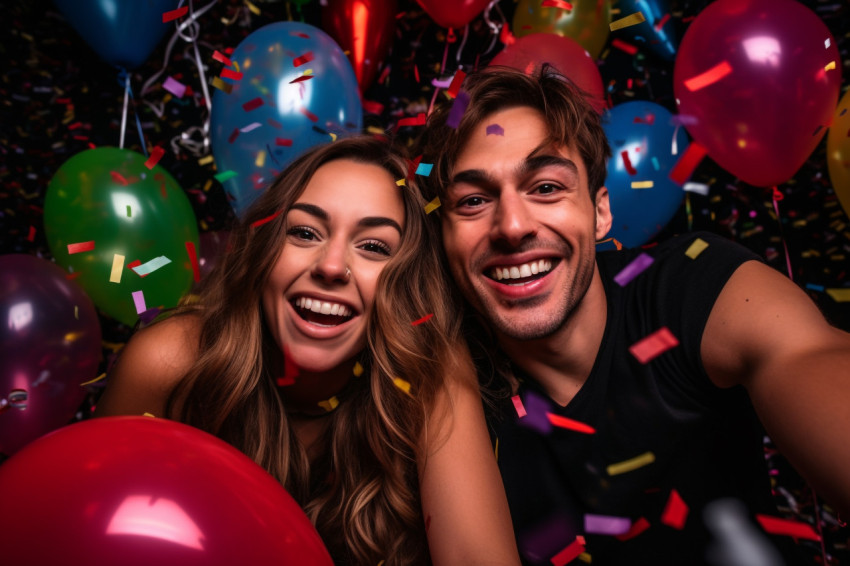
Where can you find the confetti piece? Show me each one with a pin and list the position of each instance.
(642, 184)
(648, 348)
(151, 266)
(696, 248)
(699, 188)
(424, 169)
(301, 79)
(631, 464)
(118, 178)
(230, 74)
(290, 370)
(454, 88)
(262, 221)
(220, 57)
(224, 176)
(633, 269)
(564, 422)
(221, 85)
(425, 318)
(206, 160)
(252, 104)
(193, 259)
(95, 380)
(796, 529)
(372, 107)
(284, 142)
(139, 300)
(627, 163)
(556, 4)
(250, 127)
(660, 23)
(330, 404)
(520, 409)
(174, 86)
(401, 182)
(432, 206)
(570, 553)
(31, 234)
(829, 66)
(77, 312)
(495, 130)
(839, 295)
(312, 117)
(156, 154)
(174, 14)
(709, 77)
(457, 110)
(117, 268)
(687, 163)
(630, 20)
(606, 525)
(402, 384)
(358, 369)
(637, 528)
(151, 415)
(537, 408)
(418, 120)
(303, 59)
(80, 247)
(675, 512)
(624, 46)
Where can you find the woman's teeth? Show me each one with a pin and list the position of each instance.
(520, 271)
(322, 307)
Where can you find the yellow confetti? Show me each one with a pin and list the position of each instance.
(696, 248)
(401, 182)
(114, 346)
(375, 130)
(496, 452)
(585, 557)
(630, 20)
(254, 9)
(642, 184)
(261, 159)
(358, 369)
(208, 185)
(95, 380)
(149, 415)
(630, 465)
(77, 312)
(330, 404)
(432, 206)
(839, 295)
(205, 160)
(221, 85)
(71, 336)
(829, 66)
(117, 268)
(333, 136)
(402, 384)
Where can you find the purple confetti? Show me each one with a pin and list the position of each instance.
(175, 87)
(606, 525)
(633, 269)
(495, 129)
(536, 408)
(458, 108)
(445, 83)
(684, 120)
(139, 299)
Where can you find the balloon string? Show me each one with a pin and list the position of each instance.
(126, 101)
(494, 27)
(445, 55)
(777, 196)
(462, 44)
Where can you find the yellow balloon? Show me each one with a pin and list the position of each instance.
(838, 152)
(587, 22)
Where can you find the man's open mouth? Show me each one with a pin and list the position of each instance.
(521, 274)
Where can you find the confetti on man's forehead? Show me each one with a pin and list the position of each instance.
(495, 130)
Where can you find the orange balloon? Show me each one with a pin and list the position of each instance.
(838, 152)
(587, 22)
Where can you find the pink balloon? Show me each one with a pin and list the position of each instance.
(565, 54)
(49, 345)
(757, 81)
(141, 491)
(453, 13)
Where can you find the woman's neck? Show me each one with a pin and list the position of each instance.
(316, 393)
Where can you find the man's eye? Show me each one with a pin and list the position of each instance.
(472, 201)
(546, 188)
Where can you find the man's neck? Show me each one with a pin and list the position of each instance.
(562, 362)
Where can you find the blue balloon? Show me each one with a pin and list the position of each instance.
(652, 144)
(297, 90)
(122, 32)
(656, 33)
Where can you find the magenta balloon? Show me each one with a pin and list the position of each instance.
(758, 81)
(140, 491)
(49, 345)
(565, 54)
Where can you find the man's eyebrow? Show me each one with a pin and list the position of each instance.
(481, 178)
(367, 222)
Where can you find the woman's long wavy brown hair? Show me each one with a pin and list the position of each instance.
(362, 493)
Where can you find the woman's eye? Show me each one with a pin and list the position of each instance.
(377, 247)
(302, 233)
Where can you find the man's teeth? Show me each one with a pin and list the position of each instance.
(322, 307)
(520, 271)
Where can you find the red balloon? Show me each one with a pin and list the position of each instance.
(757, 81)
(453, 13)
(565, 54)
(145, 491)
(364, 28)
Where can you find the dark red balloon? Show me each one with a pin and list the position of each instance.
(364, 28)
(530, 52)
(453, 13)
(147, 492)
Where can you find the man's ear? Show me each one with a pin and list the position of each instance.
(603, 213)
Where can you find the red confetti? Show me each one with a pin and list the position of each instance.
(233, 135)
(372, 107)
(637, 528)
(687, 163)
(274, 123)
(118, 178)
(262, 221)
(556, 4)
(80, 247)
(796, 529)
(218, 56)
(136, 263)
(156, 154)
(299, 34)
(419, 120)
(31, 235)
(564, 422)
(306, 58)
(310, 115)
(627, 163)
(709, 77)
(174, 14)
(283, 142)
(301, 79)
(290, 370)
(193, 258)
(425, 318)
(230, 74)
(456, 82)
(252, 104)
(648, 348)
(506, 37)
(570, 553)
(624, 46)
(416, 72)
(675, 512)
(661, 22)
(412, 165)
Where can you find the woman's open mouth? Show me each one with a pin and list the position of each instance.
(322, 313)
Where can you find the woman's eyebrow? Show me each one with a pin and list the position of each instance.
(366, 222)
(312, 210)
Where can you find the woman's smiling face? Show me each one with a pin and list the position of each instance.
(340, 234)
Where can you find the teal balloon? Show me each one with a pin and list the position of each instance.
(297, 90)
(131, 213)
(122, 32)
(656, 34)
(652, 143)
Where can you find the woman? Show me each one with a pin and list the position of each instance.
(313, 350)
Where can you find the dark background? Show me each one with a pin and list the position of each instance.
(49, 71)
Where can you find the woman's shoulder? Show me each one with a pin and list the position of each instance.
(149, 367)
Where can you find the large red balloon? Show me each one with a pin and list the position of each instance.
(144, 491)
(364, 28)
(565, 54)
(453, 13)
(757, 81)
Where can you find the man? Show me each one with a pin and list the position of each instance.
(626, 428)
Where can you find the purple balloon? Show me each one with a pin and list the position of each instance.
(49, 344)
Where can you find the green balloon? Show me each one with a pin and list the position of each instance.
(131, 213)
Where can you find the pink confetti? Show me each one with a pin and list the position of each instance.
(520, 409)
(175, 87)
(653, 345)
(633, 269)
(675, 512)
(139, 299)
(495, 130)
(606, 525)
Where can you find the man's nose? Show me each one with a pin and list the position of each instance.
(513, 221)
